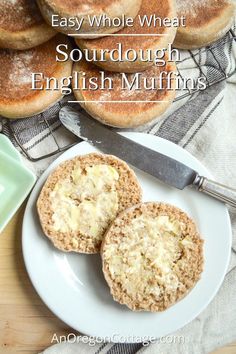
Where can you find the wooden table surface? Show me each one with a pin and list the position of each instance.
(26, 324)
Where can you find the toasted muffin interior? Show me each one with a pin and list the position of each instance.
(152, 246)
(82, 197)
(86, 201)
(152, 256)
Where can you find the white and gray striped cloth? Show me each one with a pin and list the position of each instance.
(205, 125)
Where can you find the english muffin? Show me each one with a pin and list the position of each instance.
(82, 197)
(152, 256)
(83, 12)
(151, 38)
(22, 25)
(120, 106)
(206, 22)
(17, 99)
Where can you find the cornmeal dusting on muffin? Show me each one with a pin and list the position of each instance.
(86, 202)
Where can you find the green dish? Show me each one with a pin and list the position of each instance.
(16, 181)
(7, 148)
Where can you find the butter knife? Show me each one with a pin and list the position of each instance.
(166, 169)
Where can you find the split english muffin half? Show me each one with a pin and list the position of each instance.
(22, 25)
(152, 256)
(82, 197)
(83, 11)
(17, 99)
(117, 105)
(206, 22)
(151, 38)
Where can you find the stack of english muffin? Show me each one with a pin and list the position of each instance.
(119, 107)
(28, 45)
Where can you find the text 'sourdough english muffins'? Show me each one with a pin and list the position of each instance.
(22, 25)
(151, 42)
(152, 256)
(206, 22)
(83, 12)
(82, 197)
(139, 106)
(17, 99)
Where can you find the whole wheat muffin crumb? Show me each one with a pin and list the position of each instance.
(152, 256)
(82, 197)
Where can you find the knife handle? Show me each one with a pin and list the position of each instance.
(217, 190)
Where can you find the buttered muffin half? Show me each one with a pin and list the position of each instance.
(82, 197)
(152, 256)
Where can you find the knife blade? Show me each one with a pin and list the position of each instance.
(166, 169)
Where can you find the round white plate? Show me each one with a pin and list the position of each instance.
(73, 287)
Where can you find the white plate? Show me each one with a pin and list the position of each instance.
(73, 287)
